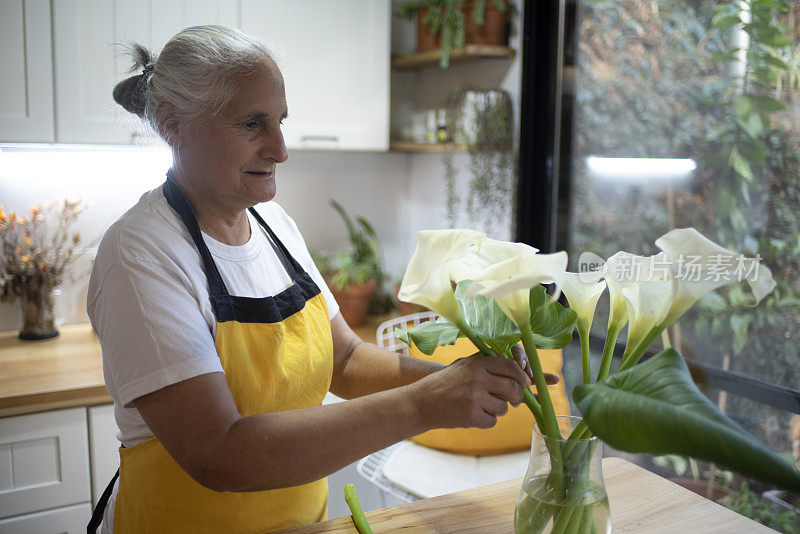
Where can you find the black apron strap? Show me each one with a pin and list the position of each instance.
(294, 268)
(99, 510)
(227, 307)
(218, 293)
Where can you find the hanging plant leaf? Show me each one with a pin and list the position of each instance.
(429, 335)
(551, 323)
(741, 166)
(655, 407)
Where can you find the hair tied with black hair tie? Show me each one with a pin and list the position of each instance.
(148, 69)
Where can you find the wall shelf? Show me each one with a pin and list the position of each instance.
(429, 148)
(471, 52)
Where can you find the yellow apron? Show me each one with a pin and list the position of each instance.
(277, 355)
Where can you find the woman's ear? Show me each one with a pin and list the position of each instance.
(168, 124)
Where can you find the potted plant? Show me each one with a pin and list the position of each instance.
(483, 121)
(354, 275)
(449, 24)
(36, 254)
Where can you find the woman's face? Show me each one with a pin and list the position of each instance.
(231, 158)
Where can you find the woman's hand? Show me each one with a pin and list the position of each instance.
(470, 392)
(522, 360)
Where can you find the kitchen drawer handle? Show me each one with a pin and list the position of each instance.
(330, 138)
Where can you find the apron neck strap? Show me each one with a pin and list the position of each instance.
(178, 201)
(292, 266)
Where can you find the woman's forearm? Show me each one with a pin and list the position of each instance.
(294, 447)
(368, 369)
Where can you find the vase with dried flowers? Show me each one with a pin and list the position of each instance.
(37, 253)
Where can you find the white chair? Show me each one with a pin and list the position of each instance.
(426, 472)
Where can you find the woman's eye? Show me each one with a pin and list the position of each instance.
(251, 125)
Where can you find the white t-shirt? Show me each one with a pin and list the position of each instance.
(148, 300)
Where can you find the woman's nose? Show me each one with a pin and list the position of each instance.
(274, 147)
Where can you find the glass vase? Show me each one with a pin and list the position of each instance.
(563, 490)
(37, 312)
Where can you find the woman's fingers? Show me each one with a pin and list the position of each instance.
(470, 392)
(551, 379)
(522, 359)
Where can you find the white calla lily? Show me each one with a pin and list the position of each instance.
(647, 285)
(582, 297)
(428, 278)
(701, 266)
(618, 308)
(509, 282)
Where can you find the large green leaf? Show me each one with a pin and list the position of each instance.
(551, 323)
(487, 320)
(655, 407)
(429, 335)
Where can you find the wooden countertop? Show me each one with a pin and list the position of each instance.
(640, 502)
(54, 373)
(67, 370)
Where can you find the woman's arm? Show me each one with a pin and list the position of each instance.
(198, 423)
(361, 368)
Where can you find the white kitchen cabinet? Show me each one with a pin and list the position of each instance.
(334, 56)
(44, 461)
(103, 448)
(68, 520)
(89, 40)
(26, 82)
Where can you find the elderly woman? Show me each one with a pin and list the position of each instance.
(219, 336)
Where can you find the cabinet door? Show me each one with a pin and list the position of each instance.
(104, 448)
(26, 64)
(44, 461)
(70, 520)
(334, 56)
(90, 38)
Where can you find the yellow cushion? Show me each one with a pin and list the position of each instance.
(512, 432)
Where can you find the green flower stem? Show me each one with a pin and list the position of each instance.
(608, 349)
(548, 412)
(583, 334)
(550, 423)
(359, 519)
(587, 523)
(527, 395)
(533, 405)
(580, 432)
(632, 356)
(562, 520)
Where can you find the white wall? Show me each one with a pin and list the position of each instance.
(110, 180)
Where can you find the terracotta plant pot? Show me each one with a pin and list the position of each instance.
(494, 30)
(353, 301)
(425, 40)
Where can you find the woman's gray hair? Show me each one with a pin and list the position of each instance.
(196, 72)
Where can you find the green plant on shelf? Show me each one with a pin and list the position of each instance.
(446, 18)
(360, 264)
